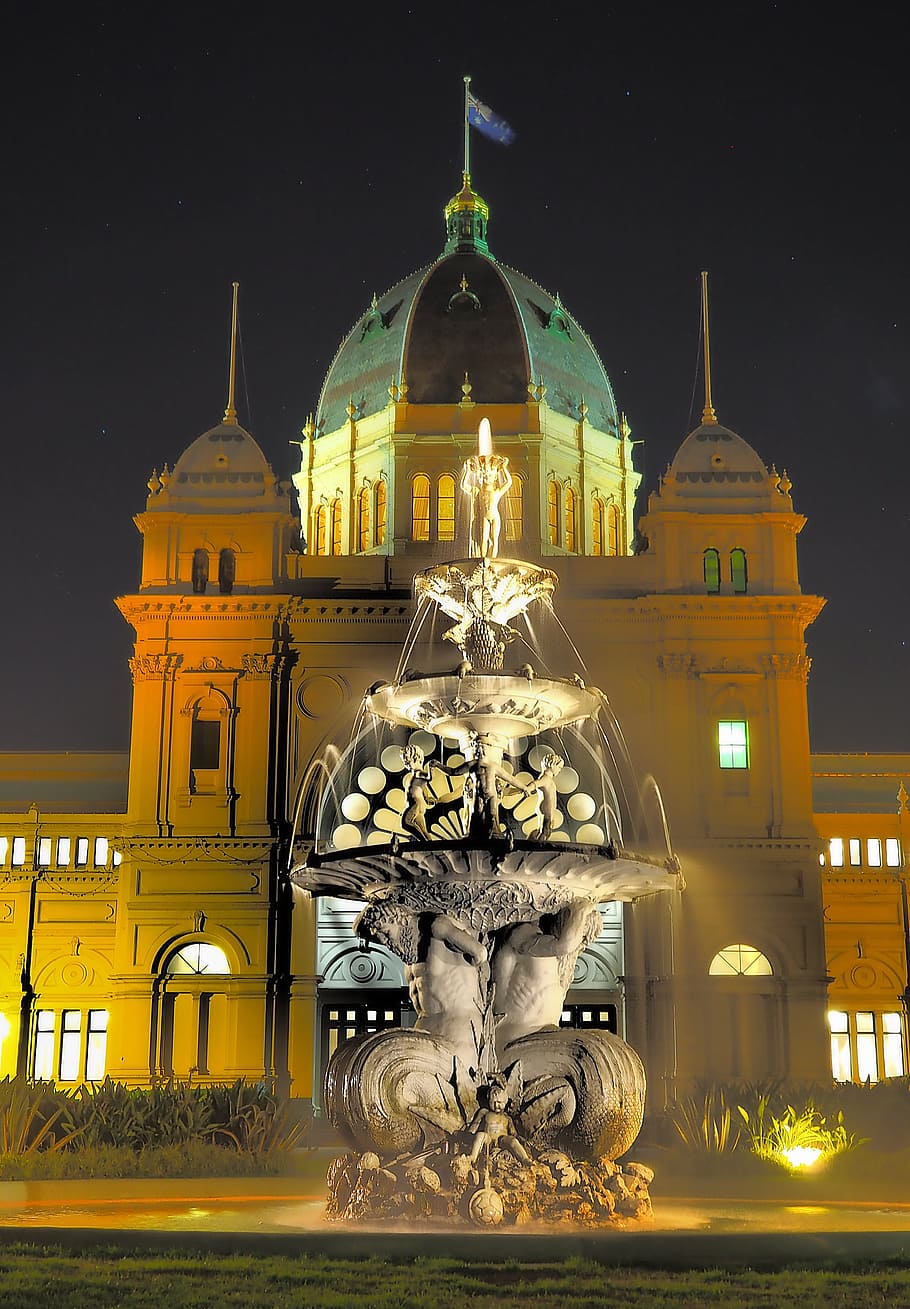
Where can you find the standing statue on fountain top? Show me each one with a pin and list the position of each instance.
(486, 479)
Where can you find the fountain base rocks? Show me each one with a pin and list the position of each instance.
(484, 878)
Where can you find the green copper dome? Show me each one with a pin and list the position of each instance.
(467, 313)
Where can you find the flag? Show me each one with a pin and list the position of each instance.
(489, 124)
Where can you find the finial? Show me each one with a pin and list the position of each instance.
(351, 409)
(625, 430)
(309, 427)
(583, 409)
(541, 389)
(785, 484)
(153, 484)
(902, 797)
(464, 282)
(393, 390)
(708, 416)
(374, 303)
(466, 389)
(403, 389)
(230, 413)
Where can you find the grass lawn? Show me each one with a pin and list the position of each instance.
(32, 1276)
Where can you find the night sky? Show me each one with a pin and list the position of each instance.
(152, 156)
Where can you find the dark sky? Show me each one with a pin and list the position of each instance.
(152, 155)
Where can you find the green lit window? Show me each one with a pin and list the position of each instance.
(597, 535)
(612, 530)
(420, 508)
(553, 513)
(380, 513)
(738, 574)
(712, 571)
(445, 508)
(733, 743)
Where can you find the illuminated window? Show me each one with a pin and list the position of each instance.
(200, 571)
(892, 1045)
(445, 508)
(612, 530)
(712, 571)
(336, 527)
(841, 1062)
(44, 852)
(102, 851)
(738, 575)
(227, 567)
(205, 744)
(96, 1045)
(733, 743)
(4, 847)
(892, 852)
(866, 1055)
(18, 851)
(598, 527)
(420, 508)
(63, 851)
(380, 512)
(836, 851)
(81, 851)
(740, 961)
(553, 513)
(599, 1017)
(198, 957)
(570, 520)
(874, 852)
(363, 519)
(70, 1043)
(341, 1022)
(515, 510)
(855, 852)
(320, 535)
(43, 1056)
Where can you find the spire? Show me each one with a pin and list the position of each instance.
(708, 416)
(230, 413)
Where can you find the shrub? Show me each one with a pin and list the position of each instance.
(704, 1120)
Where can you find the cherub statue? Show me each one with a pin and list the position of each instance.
(492, 1124)
(546, 812)
(416, 781)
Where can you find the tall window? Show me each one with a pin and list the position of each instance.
(420, 508)
(733, 743)
(553, 513)
(43, 1056)
(712, 571)
(320, 533)
(96, 1045)
(336, 527)
(514, 510)
(226, 569)
(200, 571)
(381, 502)
(598, 525)
(570, 520)
(870, 1043)
(205, 744)
(445, 508)
(738, 575)
(363, 519)
(613, 530)
(70, 1044)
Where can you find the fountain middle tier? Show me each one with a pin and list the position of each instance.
(497, 707)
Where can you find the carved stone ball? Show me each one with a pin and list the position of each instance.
(369, 1162)
(485, 1207)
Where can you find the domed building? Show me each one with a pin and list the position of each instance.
(160, 936)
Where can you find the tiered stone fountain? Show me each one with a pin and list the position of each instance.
(484, 877)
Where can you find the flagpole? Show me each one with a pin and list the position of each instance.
(467, 133)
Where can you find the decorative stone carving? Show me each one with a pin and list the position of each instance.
(791, 666)
(262, 667)
(152, 667)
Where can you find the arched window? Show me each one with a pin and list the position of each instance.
(612, 530)
(200, 571)
(598, 527)
(420, 508)
(445, 508)
(380, 513)
(514, 516)
(738, 573)
(712, 571)
(197, 957)
(570, 520)
(740, 961)
(363, 519)
(226, 570)
(336, 527)
(320, 535)
(553, 513)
